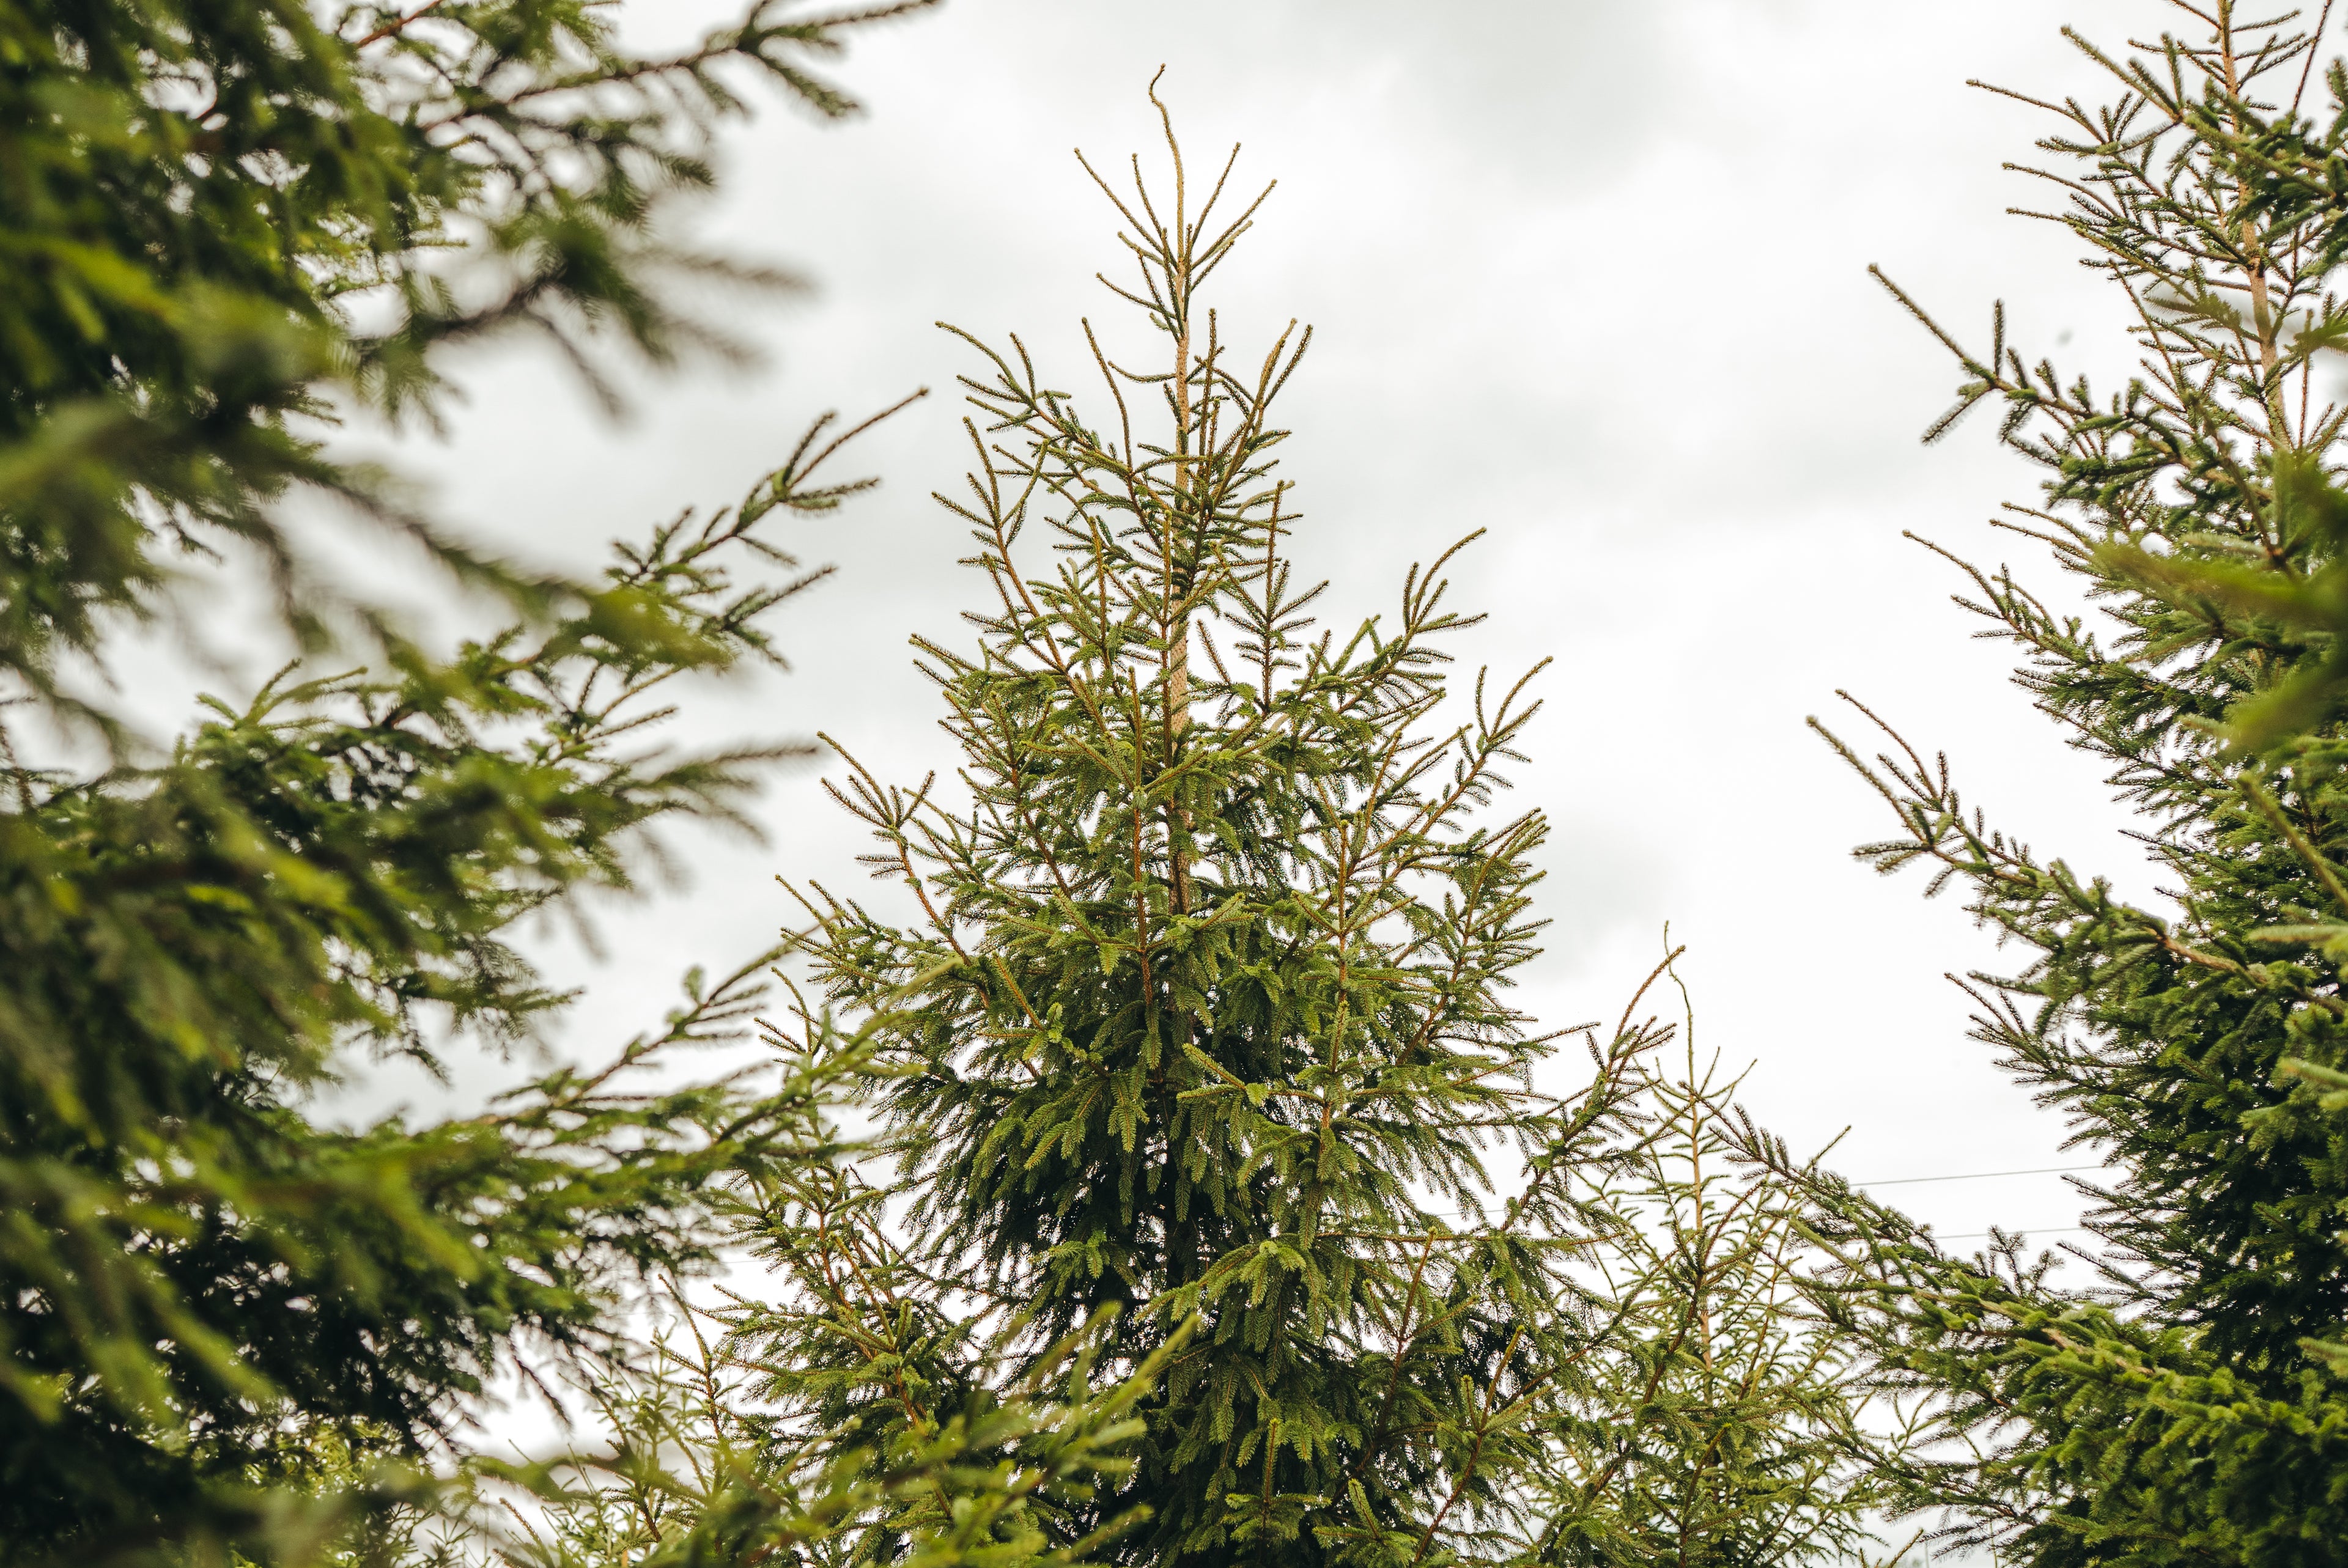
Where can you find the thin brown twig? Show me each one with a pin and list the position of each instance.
(399, 24)
(2314, 43)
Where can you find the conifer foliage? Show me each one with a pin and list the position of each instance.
(222, 222)
(1202, 1029)
(695, 1465)
(2190, 1407)
(1721, 1423)
(227, 215)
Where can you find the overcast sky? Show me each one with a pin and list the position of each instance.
(1590, 277)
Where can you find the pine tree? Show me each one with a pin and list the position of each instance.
(210, 1304)
(1203, 1026)
(2189, 1407)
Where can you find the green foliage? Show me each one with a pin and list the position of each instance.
(225, 223)
(1722, 1423)
(190, 1261)
(1203, 1029)
(694, 1468)
(2188, 1409)
(1208, 1012)
(226, 220)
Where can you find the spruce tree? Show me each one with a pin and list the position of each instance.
(223, 221)
(1723, 1422)
(1202, 1026)
(210, 1295)
(2186, 1405)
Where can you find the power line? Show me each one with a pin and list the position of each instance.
(1981, 1176)
(2026, 1232)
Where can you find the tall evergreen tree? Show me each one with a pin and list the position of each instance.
(2187, 1408)
(1203, 1029)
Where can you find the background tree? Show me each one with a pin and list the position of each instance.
(201, 1278)
(2187, 1407)
(1722, 1423)
(204, 1295)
